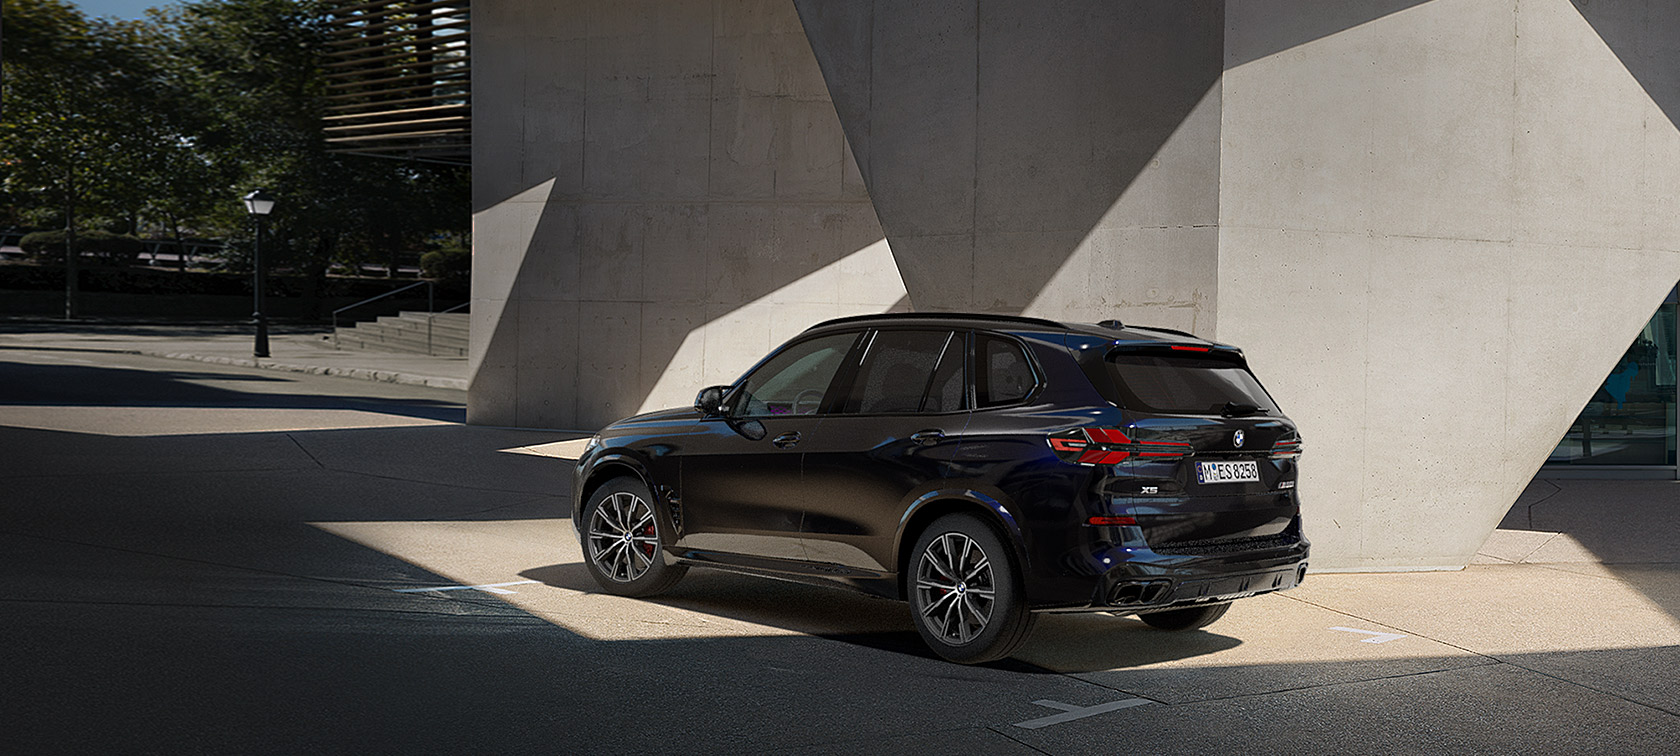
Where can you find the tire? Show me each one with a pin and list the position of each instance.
(1189, 618)
(623, 547)
(978, 615)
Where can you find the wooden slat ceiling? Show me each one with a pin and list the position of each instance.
(399, 80)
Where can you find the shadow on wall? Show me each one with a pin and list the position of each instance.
(1641, 34)
(673, 165)
(990, 159)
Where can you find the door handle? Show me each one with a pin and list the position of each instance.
(786, 440)
(927, 437)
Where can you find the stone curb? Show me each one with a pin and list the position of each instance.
(366, 374)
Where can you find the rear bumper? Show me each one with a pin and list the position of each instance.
(1128, 579)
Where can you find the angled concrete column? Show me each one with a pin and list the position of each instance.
(662, 193)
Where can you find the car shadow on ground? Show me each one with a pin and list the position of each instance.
(1085, 642)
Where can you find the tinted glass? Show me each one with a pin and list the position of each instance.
(1630, 419)
(1183, 385)
(793, 382)
(947, 394)
(896, 371)
(1004, 376)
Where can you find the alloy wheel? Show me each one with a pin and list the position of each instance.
(623, 540)
(955, 588)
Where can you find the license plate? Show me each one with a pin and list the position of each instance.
(1227, 472)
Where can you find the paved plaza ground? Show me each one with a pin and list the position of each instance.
(207, 557)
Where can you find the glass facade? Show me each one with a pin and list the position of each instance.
(1630, 419)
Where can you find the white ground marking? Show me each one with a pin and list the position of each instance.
(1071, 712)
(487, 587)
(1376, 637)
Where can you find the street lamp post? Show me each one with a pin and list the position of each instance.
(259, 204)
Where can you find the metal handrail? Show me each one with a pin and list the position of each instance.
(430, 299)
(433, 316)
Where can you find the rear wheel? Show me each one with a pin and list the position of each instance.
(1189, 618)
(621, 541)
(965, 592)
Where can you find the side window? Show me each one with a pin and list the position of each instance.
(1003, 375)
(896, 370)
(794, 381)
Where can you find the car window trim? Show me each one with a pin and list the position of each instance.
(974, 364)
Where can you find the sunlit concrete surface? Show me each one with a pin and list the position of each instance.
(178, 586)
(1433, 225)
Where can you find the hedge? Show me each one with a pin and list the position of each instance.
(107, 248)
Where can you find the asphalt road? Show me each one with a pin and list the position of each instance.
(212, 559)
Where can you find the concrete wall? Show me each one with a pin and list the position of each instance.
(662, 192)
(1052, 158)
(1433, 224)
(1439, 227)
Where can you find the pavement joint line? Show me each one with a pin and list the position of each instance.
(1601, 691)
(1018, 741)
(1483, 661)
(1384, 624)
(1536, 549)
(1072, 713)
(306, 451)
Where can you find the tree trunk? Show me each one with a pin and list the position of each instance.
(180, 246)
(72, 286)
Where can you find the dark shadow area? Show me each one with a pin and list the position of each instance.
(995, 132)
(34, 384)
(991, 133)
(1627, 528)
(171, 591)
(1274, 27)
(1645, 36)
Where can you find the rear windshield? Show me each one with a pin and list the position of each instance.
(1183, 385)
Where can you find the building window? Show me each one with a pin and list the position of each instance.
(1630, 419)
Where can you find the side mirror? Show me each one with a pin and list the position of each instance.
(710, 400)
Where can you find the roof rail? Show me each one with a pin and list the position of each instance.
(1165, 330)
(1021, 319)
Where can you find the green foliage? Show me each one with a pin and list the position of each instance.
(448, 264)
(106, 247)
(173, 119)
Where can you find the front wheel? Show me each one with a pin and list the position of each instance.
(621, 541)
(965, 592)
(1189, 618)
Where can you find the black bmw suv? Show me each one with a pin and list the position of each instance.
(983, 468)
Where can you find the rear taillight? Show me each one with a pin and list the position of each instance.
(1112, 520)
(1108, 446)
(1286, 449)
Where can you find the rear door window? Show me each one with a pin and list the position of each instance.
(1175, 384)
(1002, 373)
(897, 369)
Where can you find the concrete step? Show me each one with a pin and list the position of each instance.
(374, 341)
(407, 333)
(417, 322)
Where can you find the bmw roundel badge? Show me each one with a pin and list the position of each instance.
(1237, 439)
